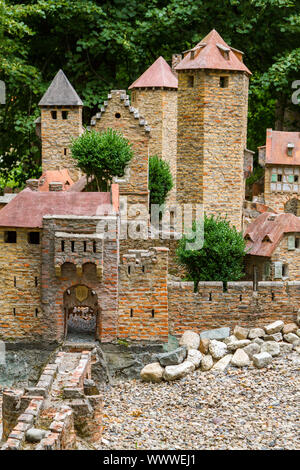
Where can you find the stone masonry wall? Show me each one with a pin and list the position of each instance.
(212, 123)
(143, 299)
(117, 114)
(20, 276)
(210, 307)
(55, 286)
(159, 107)
(56, 137)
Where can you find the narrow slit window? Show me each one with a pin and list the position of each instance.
(10, 236)
(54, 114)
(34, 238)
(241, 298)
(152, 313)
(94, 247)
(65, 151)
(129, 269)
(190, 81)
(15, 281)
(36, 313)
(210, 296)
(14, 312)
(84, 247)
(72, 247)
(143, 268)
(36, 282)
(131, 312)
(64, 114)
(62, 246)
(224, 81)
(273, 296)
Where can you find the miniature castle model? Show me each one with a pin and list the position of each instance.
(63, 262)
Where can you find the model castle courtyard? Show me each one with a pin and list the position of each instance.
(59, 268)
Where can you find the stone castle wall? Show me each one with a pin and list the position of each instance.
(159, 107)
(20, 291)
(212, 126)
(56, 137)
(143, 298)
(117, 114)
(210, 307)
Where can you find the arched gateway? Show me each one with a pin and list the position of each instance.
(81, 311)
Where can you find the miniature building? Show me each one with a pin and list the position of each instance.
(61, 120)
(154, 94)
(212, 127)
(281, 159)
(273, 248)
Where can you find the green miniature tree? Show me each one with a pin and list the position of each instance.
(221, 256)
(160, 180)
(102, 155)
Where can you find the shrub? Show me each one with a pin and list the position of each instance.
(220, 258)
(160, 180)
(102, 155)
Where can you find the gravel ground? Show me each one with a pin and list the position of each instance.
(239, 409)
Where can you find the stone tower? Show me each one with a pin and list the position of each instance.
(154, 94)
(212, 127)
(61, 120)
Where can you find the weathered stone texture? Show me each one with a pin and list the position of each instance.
(56, 137)
(212, 126)
(159, 107)
(210, 307)
(143, 298)
(20, 273)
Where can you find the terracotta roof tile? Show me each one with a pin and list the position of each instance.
(276, 147)
(50, 176)
(209, 54)
(28, 208)
(158, 75)
(265, 233)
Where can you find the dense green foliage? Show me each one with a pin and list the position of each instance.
(108, 44)
(221, 256)
(160, 180)
(102, 155)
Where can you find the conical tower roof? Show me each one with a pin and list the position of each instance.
(213, 53)
(60, 93)
(158, 75)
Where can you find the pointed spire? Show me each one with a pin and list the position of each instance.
(60, 93)
(158, 75)
(212, 52)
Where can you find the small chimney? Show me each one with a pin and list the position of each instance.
(176, 58)
(33, 184)
(55, 186)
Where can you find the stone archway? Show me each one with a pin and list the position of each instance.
(81, 312)
(292, 206)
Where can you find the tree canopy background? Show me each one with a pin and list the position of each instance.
(102, 45)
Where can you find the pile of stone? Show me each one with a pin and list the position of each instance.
(218, 349)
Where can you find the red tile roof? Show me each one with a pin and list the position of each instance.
(56, 176)
(28, 208)
(208, 54)
(265, 233)
(158, 75)
(276, 147)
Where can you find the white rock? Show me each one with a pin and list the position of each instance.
(256, 333)
(190, 339)
(274, 337)
(298, 317)
(217, 349)
(262, 359)
(251, 349)
(240, 358)
(297, 349)
(292, 338)
(238, 344)
(258, 341)
(152, 372)
(286, 347)
(223, 363)
(216, 333)
(298, 332)
(271, 347)
(274, 327)
(178, 371)
(195, 357)
(230, 339)
(207, 362)
(241, 332)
